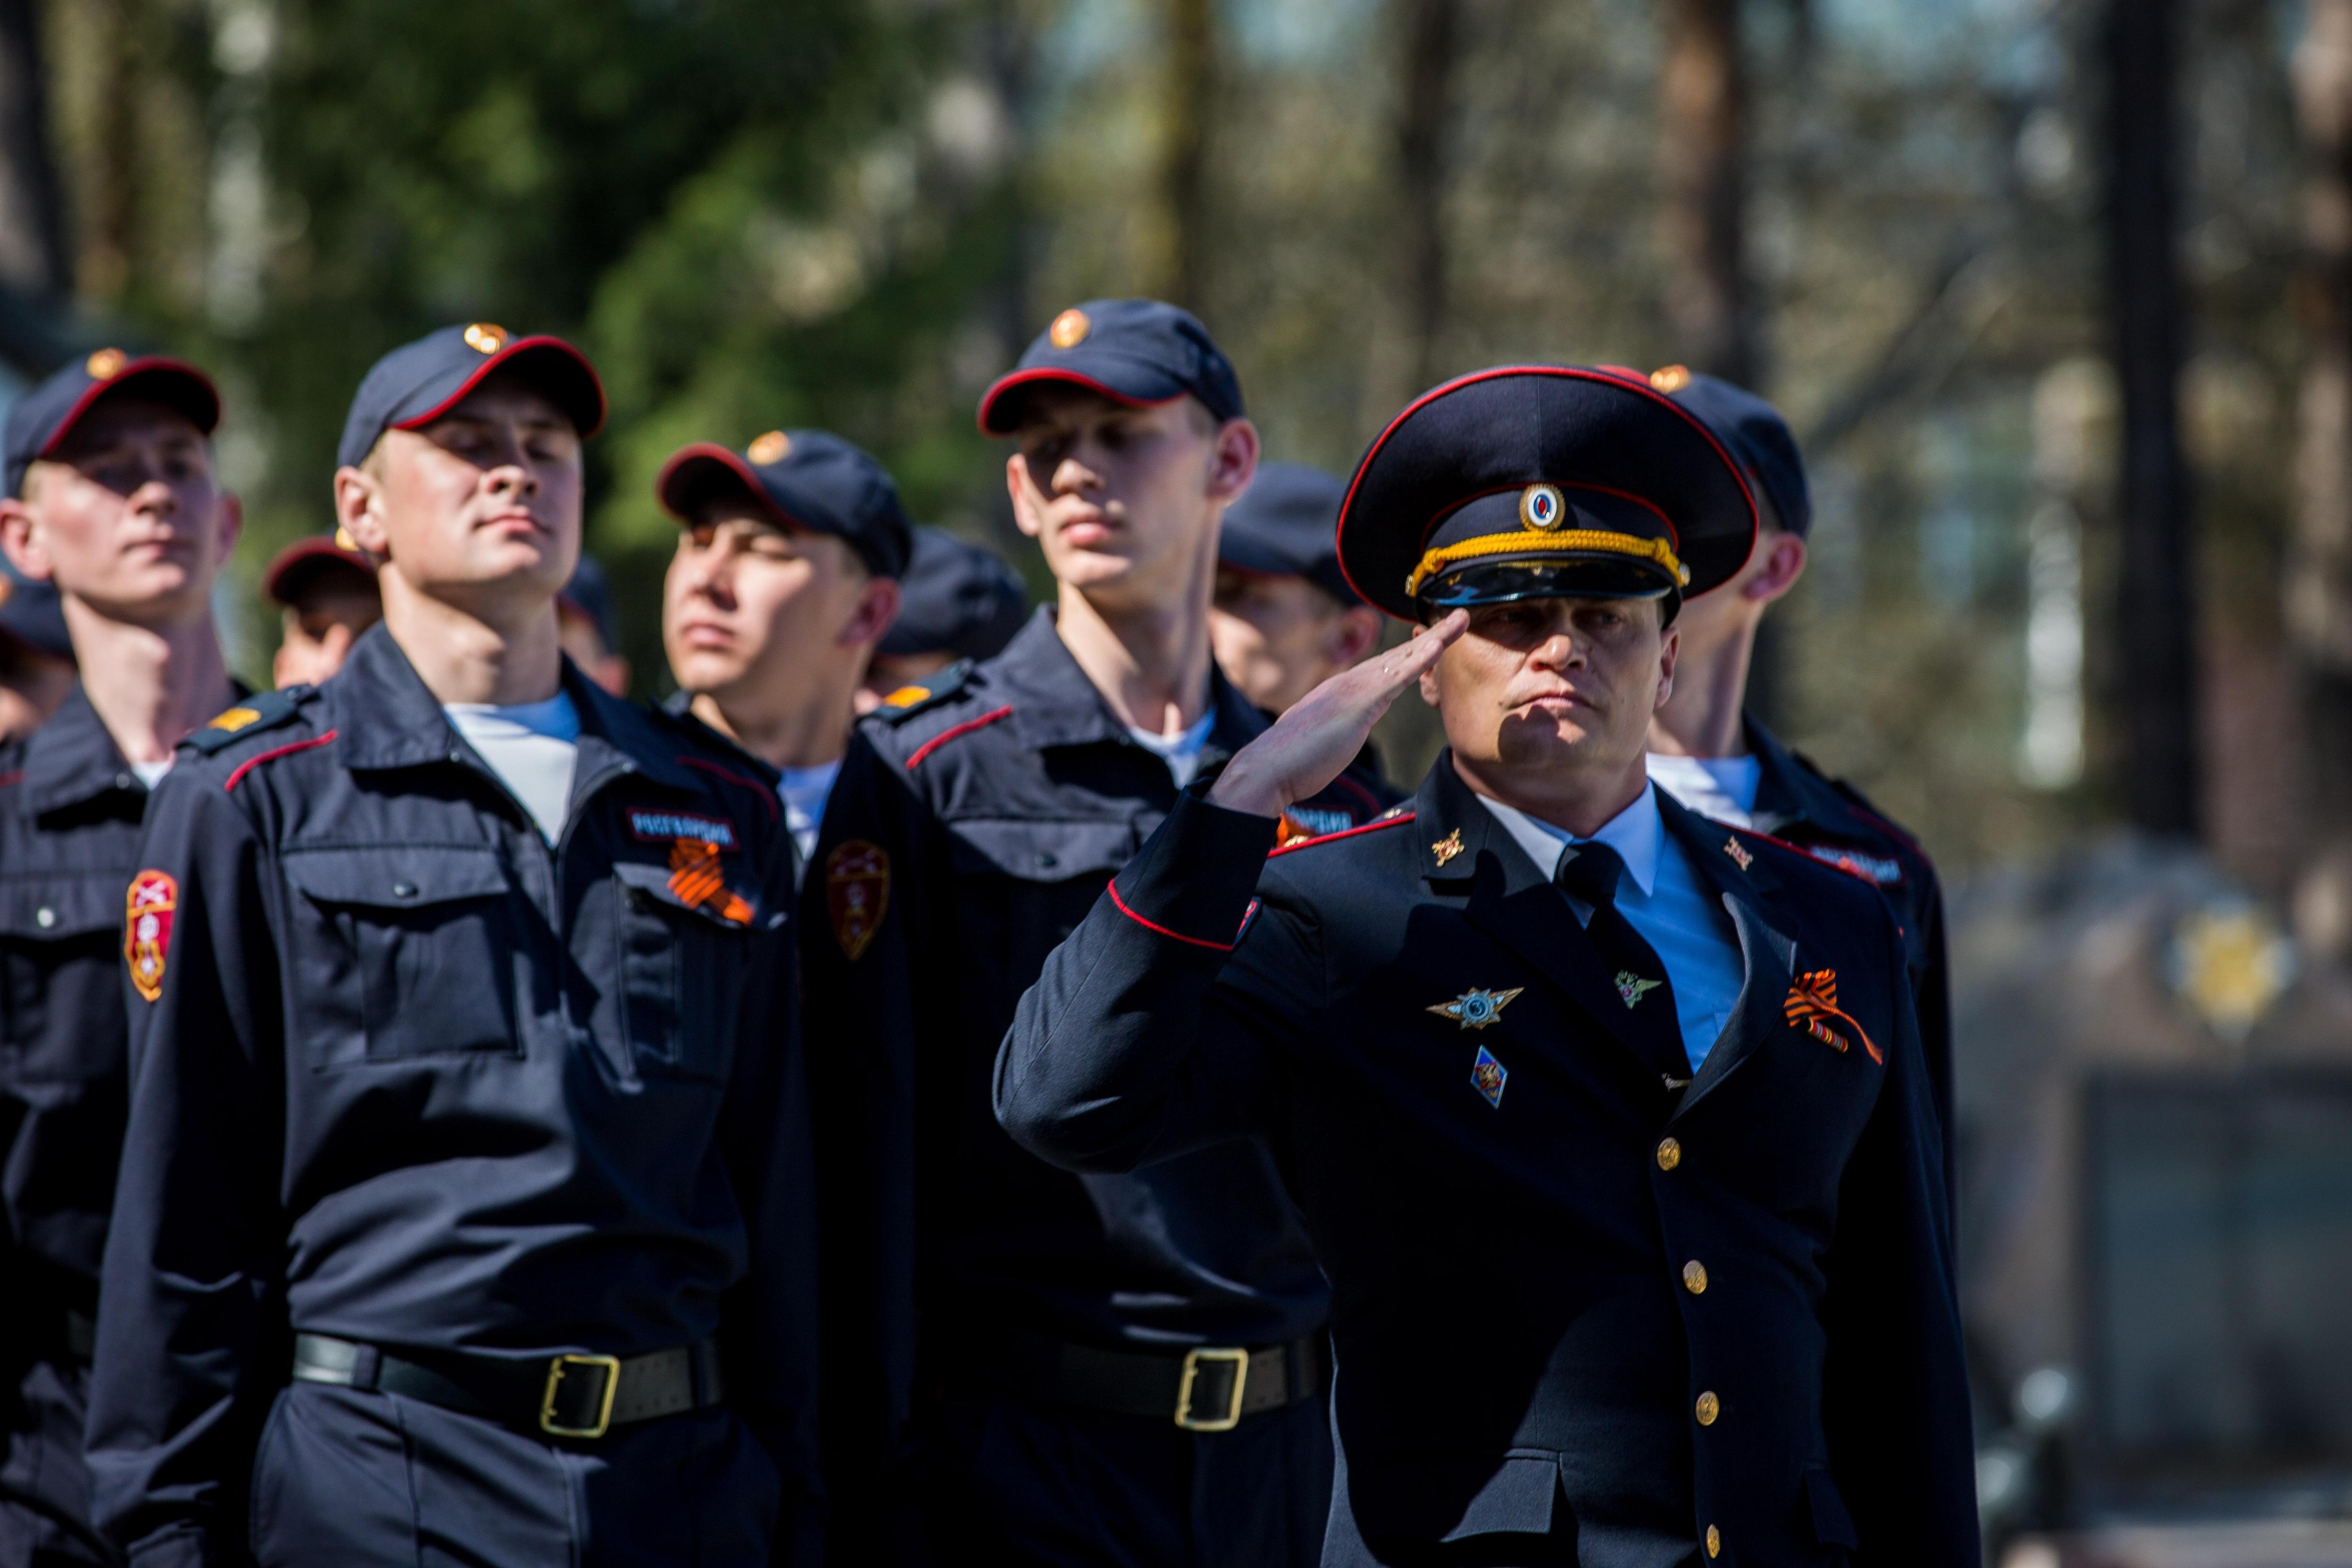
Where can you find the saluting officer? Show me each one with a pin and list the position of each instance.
(1709, 752)
(1052, 1353)
(1610, 1122)
(1286, 619)
(464, 1087)
(112, 504)
(786, 573)
(956, 601)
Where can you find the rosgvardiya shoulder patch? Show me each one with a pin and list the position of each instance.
(857, 894)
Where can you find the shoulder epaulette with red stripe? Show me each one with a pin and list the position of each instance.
(1826, 864)
(918, 697)
(1397, 819)
(261, 711)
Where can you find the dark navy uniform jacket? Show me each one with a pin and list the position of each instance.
(414, 1078)
(1002, 806)
(69, 815)
(1567, 1304)
(1832, 821)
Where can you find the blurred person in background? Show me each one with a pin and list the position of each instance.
(589, 629)
(36, 663)
(1127, 1369)
(956, 601)
(1712, 754)
(466, 1212)
(112, 505)
(325, 589)
(1286, 619)
(786, 574)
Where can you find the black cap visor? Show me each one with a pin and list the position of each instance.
(1503, 581)
(1131, 383)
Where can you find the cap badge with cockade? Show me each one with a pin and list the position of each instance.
(1540, 507)
(486, 337)
(1069, 329)
(769, 448)
(106, 364)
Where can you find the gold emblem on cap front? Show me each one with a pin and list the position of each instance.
(486, 337)
(1069, 329)
(1541, 507)
(106, 364)
(769, 448)
(1673, 378)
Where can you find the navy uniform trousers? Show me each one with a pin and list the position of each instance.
(973, 825)
(1583, 1316)
(416, 1080)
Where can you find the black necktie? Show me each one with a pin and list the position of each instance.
(1591, 872)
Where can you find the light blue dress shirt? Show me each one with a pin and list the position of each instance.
(1677, 911)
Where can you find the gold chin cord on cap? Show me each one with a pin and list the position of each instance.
(1553, 541)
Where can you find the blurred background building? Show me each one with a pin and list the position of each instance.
(2059, 293)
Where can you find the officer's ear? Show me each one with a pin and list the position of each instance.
(358, 506)
(1235, 464)
(23, 550)
(1670, 648)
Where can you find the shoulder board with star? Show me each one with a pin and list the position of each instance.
(916, 697)
(261, 711)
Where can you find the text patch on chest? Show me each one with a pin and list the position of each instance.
(668, 826)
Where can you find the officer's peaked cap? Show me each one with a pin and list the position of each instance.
(1543, 481)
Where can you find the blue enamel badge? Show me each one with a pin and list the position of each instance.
(1487, 1077)
(1474, 1009)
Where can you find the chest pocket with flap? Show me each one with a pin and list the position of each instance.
(60, 972)
(682, 973)
(400, 951)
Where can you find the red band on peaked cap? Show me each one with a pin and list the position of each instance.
(679, 471)
(516, 348)
(203, 411)
(1522, 424)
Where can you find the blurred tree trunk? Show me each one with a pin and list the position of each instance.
(1430, 37)
(33, 252)
(1702, 128)
(2318, 587)
(2148, 317)
(1189, 79)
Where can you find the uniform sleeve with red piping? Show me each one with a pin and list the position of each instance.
(1149, 1031)
(186, 1367)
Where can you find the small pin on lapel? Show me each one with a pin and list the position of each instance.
(1739, 853)
(1487, 1075)
(1631, 987)
(1474, 1009)
(1447, 847)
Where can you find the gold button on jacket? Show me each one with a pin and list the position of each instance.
(1713, 1542)
(1670, 1155)
(1709, 1407)
(1694, 1277)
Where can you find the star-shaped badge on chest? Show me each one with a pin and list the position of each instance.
(1474, 1009)
(1631, 987)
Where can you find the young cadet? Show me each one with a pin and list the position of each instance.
(1710, 753)
(956, 601)
(786, 574)
(36, 663)
(1285, 620)
(589, 631)
(1610, 1122)
(324, 587)
(111, 502)
(1105, 1370)
(465, 1089)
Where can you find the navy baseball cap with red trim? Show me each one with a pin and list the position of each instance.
(295, 568)
(1282, 527)
(39, 421)
(802, 478)
(1135, 351)
(418, 383)
(1543, 481)
(958, 598)
(1755, 435)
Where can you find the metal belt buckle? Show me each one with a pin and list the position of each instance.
(610, 1367)
(1233, 1415)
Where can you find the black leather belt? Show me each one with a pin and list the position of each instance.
(557, 1397)
(1207, 1389)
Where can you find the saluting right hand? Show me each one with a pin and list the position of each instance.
(1313, 743)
